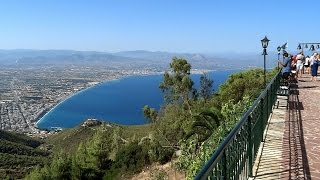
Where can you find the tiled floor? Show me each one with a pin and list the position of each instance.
(292, 146)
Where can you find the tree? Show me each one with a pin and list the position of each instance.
(38, 174)
(204, 124)
(177, 84)
(82, 166)
(92, 158)
(60, 167)
(205, 87)
(246, 83)
(150, 113)
(232, 111)
(99, 148)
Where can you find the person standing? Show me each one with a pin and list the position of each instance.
(307, 65)
(293, 73)
(286, 64)
(314, 66)
(300, 60)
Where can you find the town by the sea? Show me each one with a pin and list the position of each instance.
(119, 101)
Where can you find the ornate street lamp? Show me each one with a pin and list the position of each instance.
(264, 43)
(278, 49)
(312, 47)
(299, 47)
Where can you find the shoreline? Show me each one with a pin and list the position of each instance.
(50, 109)
(47, 111)
(39, 119)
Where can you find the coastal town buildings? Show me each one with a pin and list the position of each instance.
(27, 93)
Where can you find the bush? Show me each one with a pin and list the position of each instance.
(132, 158)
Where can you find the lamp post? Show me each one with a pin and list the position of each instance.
(305, 45)
(279, 49)
(312, 47)
(264, 43)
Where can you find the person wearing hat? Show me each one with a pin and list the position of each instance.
(286, 64)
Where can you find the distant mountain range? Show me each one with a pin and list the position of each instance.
(141, 57)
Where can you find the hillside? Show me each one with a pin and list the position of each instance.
(18, 154)
(68, 140)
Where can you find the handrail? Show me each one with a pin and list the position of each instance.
(251, 126)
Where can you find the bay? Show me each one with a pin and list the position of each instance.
(119, 101)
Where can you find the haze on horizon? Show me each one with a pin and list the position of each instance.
(172, 26)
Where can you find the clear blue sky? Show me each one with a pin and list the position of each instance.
(157, 25)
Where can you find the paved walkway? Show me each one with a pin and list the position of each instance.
(291, 149)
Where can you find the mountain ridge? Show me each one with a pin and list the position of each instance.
(142, 58)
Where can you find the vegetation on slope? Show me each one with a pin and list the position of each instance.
(19, 138)
(191, 124)
(68, 140)
(18, 154)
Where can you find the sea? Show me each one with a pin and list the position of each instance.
(118, 101)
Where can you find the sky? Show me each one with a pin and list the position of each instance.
(202, 26)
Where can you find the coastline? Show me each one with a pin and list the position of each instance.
(62, 100)
(50, 109)
(47, 111)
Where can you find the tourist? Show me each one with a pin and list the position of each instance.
(300, 61)
(314, 66)
(293, 66)
(311, 61)
(286, 70)
(307, 65)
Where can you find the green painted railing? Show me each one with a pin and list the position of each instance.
(235, 156)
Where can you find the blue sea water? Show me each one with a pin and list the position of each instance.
(120, 101)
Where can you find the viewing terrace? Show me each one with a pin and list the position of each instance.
(273, 141)
(291, 148)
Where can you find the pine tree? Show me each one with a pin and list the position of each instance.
(177, 84)
(60, 167)
(205, 87)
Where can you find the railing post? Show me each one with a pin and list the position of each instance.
(224, 166)
(249, 147)
(267, 109)
(262, 114)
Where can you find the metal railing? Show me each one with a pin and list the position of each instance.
(235, 156)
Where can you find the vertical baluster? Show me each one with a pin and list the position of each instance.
(224, 166)
(262, 118)
(216, 176)
(212, 175)
(234, 158)
(237, 157)
(231, 158)
(243, 151)
(227, 151)
(267, 112)
(268, 105)
(249, 147)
